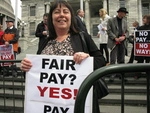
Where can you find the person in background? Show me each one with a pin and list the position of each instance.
(117, 30)
(42, 30)
(80, 21)
(63, 32)
(1, 43)
(135, 24)
(145, 26)
(1, 34)
(102, 34)
(11, 36)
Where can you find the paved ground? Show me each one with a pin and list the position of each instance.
(30, 50)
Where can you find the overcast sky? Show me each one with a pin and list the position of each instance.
(18, 7)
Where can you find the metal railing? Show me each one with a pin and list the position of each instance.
(11, 88)
(99, 73)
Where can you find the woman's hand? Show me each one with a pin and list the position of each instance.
(104, 29)
(25, 65)
(98, 35)
(79, 57)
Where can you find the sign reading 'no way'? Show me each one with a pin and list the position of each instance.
(142, 43)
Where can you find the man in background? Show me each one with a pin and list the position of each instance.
(42, 30)
(117, 30)
(11, 36)
(80, 21)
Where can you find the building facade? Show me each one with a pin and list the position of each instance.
(33, 10)
(6, 11)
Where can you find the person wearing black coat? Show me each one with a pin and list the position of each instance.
(146, 26)
(135, 24)
(42, 30)
(65, 39)
(80, 21)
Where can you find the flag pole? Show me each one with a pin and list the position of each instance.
(16, 13)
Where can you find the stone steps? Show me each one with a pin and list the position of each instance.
(127, 109)
(135, 93)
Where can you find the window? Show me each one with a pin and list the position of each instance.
(32, 11)
(145, 8)
(32, 28)
(122, 3)
(95, 29)
(94, 8)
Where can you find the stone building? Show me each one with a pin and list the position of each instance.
(33, 10)
(6, 11)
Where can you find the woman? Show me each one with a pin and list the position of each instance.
(145, 26)
(135, 24)
(64, 39)
(102, 34)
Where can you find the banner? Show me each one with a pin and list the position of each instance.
(142, 43)
(52, 84)
(6, 53)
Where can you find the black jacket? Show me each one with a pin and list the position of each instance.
(99, 60)
(144, 27)
(77, 45)
(80, 25)
(39, 33)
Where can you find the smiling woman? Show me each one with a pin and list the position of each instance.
(65, 40)
(16, 4)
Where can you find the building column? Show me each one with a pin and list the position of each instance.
(140, 11)
(4, 23)
(87, 15)
(105, 4)
(47, 5)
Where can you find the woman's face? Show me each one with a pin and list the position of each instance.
(144, 20)
(100, 13)
(61, 18)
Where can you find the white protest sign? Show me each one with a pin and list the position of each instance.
(52, 84)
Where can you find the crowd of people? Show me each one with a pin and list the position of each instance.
(117, 36)
(64, 30)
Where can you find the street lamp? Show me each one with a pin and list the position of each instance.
(22, 25)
